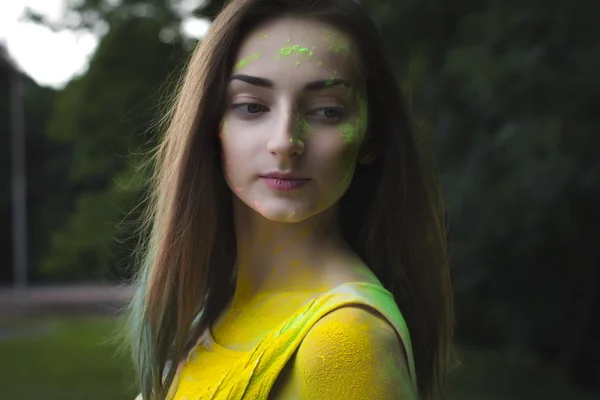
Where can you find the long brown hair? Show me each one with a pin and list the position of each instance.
(392, 214)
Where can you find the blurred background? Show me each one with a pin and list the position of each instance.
(507, 91)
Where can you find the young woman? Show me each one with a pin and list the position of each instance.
(298, 247)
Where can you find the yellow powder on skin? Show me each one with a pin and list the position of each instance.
(337, 362)
(223, 128)
(244, 325)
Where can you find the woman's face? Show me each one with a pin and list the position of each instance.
(295, 121)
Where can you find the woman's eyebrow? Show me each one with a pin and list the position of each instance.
(267, 83)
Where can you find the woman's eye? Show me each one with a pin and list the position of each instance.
(249, 108)
(333, 113)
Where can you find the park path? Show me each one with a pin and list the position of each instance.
(39, 300)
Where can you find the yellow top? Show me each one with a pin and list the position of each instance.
(336, 358)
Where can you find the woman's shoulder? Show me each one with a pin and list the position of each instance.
(350, 325)
(348, 345)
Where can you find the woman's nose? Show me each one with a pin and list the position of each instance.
(287, 138)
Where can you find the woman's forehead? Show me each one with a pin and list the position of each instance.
(296, 44)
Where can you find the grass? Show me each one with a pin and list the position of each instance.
(71, 358)
(63, 358)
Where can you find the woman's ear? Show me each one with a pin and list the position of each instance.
(368, 153)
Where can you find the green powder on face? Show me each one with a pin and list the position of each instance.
(306, 51)
(245, 61)
(352, 131)
(337, 44)
(265, 36)
(286, 51)
(348, 131)
(301, 127)
(363, 111)
(298, 63)
(223, 132)
(339, 47)
(330, 81)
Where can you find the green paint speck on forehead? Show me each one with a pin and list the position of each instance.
(298, 63)
(337, 44)
(265, 36)
(286, 51)
(306, 51)
(245, 61)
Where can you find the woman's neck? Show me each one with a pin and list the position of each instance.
(286, 257)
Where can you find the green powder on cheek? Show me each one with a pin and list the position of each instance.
(352, 131)
(223, 132)
(363, 112)
(348, 131)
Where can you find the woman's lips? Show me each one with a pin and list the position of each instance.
(284, 183)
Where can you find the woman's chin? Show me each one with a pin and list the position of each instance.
(283, 214)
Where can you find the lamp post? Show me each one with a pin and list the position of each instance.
(18, 170)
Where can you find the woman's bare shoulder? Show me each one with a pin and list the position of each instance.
(351, 353)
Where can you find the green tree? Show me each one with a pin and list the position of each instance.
(509, 93)
(47, 187)
(108, 117)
